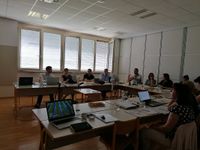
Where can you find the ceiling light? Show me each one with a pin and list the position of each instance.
(101, 1)
(37, 15)
(99, 28)
(50, 1)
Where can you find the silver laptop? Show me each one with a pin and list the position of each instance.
(61, 114)
(145, 97)
(52, 80)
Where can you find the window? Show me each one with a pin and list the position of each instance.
(74, 53)
(101, 56)
(87, 54)
(30, 49)
(52, 51)
(110, 57)
(71, 52)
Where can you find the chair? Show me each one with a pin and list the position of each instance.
(185, 137)
(124, 134)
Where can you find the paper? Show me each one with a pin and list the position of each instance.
(105, 117)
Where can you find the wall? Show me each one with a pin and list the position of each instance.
(8, 56)
(174, 51)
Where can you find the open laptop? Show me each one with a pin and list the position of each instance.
(61, 114)
(52, 80)
(145, 97)
(25, 81)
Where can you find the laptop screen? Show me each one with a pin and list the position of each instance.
(60, 109)
(144, 96)
(52, 80)
(25, 81)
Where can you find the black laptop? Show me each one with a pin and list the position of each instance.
(25, 81)
(145, 97)
(61, 114)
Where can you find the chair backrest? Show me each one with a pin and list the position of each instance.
(124, 128)
(185, 137)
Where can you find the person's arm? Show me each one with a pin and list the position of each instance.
(169, 125)
(130, 78)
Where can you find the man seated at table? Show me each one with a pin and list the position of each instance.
(67, 77)
(88, 76)
(105, 76)
(47, 74)
(136, 78)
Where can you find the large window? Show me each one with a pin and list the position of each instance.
(71, 53)
(30, 49)
(40, 49)
(52, 51)
(87, 54)
(101, 56)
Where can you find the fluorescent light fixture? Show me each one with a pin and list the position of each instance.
(101, 1)
(50, 1)
(37, 15)
(99, 28)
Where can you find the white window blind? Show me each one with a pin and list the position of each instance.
(87, 54)
(110, 57)
(71, 52)
(52, 50)
(30, 49)
(101, 56)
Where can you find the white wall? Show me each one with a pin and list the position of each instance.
(164, 52)
(192, 55)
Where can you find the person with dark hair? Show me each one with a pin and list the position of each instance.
(47, 74)
(190, 84)
(197, 80)
(67, 78)
(182, 110)
(88, 76)
(166, 82)
(136, 78)
(150, 81)
(105, 76)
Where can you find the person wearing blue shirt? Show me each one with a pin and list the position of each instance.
(105, 76)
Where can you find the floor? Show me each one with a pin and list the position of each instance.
(23, 132)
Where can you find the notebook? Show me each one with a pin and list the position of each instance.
(25, 81)
(145, 97)
(52, 80)
(126, 104)
(61, 114)
(107, 118)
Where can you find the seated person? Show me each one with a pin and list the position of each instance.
(190, 84)
(88, 76)
(105, 76)
(67, 78)
(197, 80)
(166, 82)
(182, 111)
(150, 81)
(136, 78)
(44, 77)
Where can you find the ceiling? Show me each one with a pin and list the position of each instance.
(114, 16)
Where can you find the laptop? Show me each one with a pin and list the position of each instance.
(145, 97)
(126, 104)
(61, 114)
(25, 81)
(52, 80)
